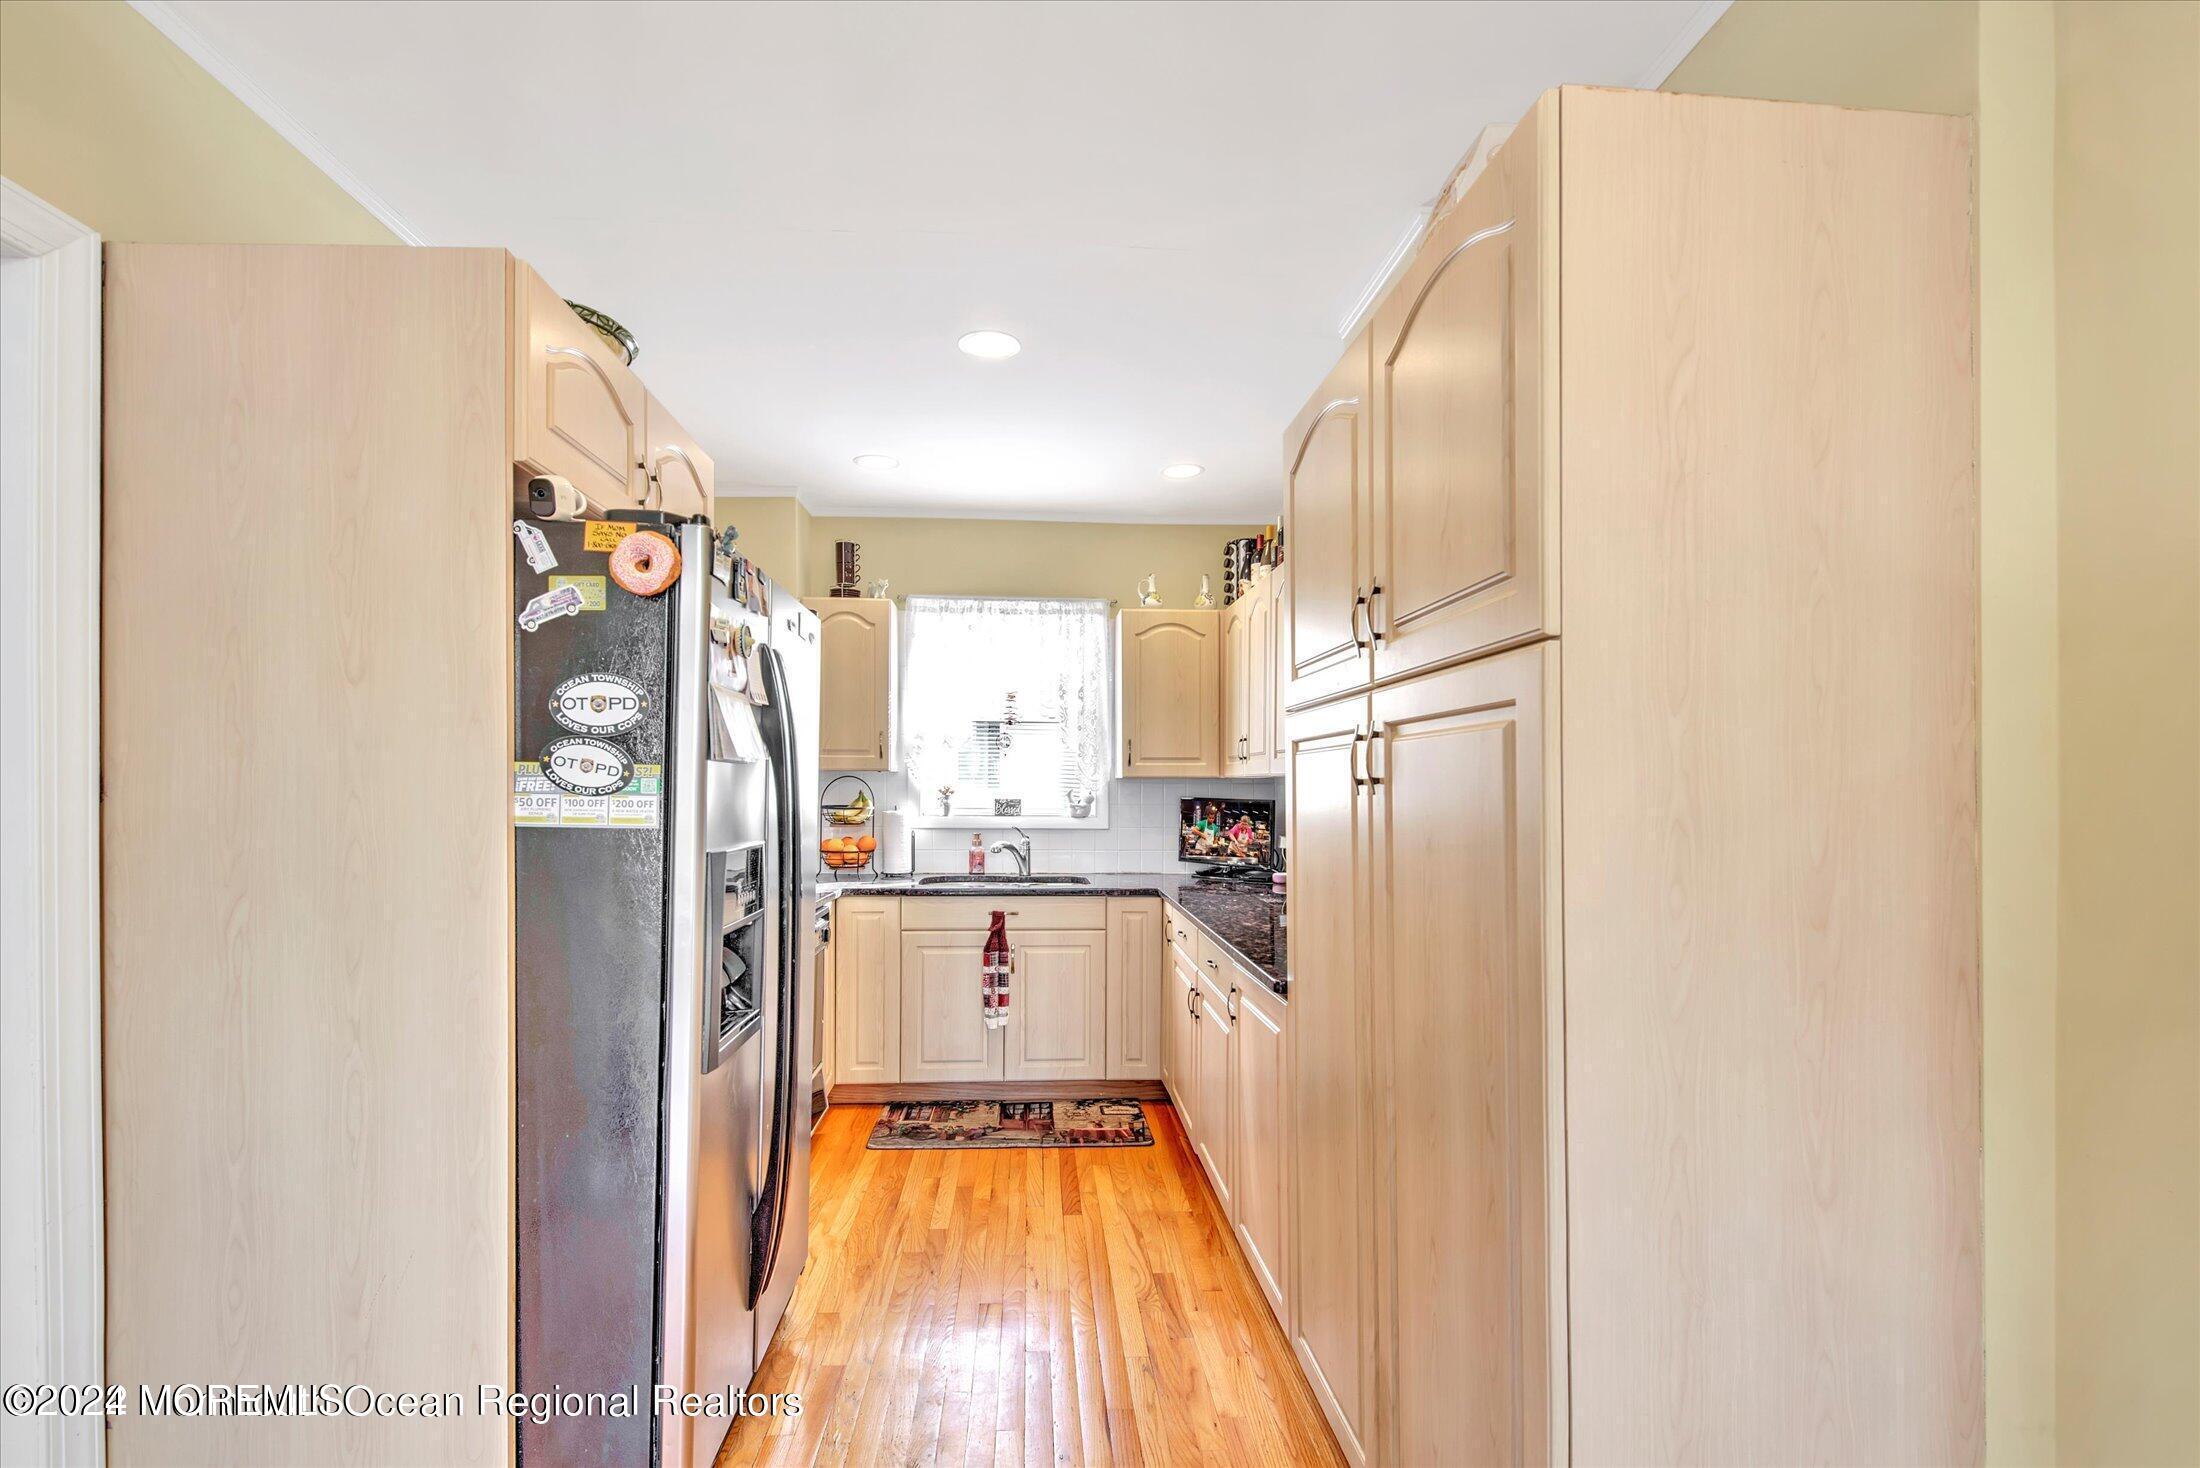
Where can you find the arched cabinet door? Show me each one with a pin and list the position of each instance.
(582, 411)
(1326, 481)
(1169, 690)
(857, 663)
(1457, 547)
(680, 473)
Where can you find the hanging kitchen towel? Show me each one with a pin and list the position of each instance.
(995, 968)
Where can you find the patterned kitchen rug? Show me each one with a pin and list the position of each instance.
(908, 1125)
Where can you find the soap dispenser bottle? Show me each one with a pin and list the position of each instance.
(977, 853)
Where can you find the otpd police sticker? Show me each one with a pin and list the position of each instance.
(586, 766)
(598, 703)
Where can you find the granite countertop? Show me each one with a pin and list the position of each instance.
(1245, 918)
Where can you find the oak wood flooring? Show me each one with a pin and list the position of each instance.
(1025, 1306)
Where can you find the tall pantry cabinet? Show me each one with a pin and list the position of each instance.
(306, 905)
(1633, 764)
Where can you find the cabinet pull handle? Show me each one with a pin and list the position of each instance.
(1372, 739)
(1126, 749)
(1358, 601)
(1357, 736)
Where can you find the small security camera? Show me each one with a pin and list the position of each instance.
(550, 497)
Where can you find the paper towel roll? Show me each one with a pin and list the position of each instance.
(896, 856)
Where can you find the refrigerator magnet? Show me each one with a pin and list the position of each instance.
(584, 766)
(535, 546)
(598, 703)
(558, 601)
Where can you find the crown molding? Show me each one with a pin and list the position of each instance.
(187, 39)
(1676, 51)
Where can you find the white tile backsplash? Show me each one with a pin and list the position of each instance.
(1140, 835)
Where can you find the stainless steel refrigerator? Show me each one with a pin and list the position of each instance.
(665, 813)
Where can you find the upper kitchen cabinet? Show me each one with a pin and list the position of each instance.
(1168, 685)
(582, 411)
(1325, 507)
(1456, 553)
(1250, 683)
(680, 476)
(856, 697)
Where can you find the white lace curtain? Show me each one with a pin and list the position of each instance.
(980, 668)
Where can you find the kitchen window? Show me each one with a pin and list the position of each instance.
(1006, 699)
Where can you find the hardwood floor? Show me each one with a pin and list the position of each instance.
(1025, 1306)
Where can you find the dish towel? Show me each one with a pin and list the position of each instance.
(995, 981)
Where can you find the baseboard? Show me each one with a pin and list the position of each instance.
(875, 1093)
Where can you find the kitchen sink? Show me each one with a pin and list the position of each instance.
(989, 880)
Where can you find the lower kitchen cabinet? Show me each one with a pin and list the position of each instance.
(1137, 949)
(1211, 1139)
(1331, 1274)
(1453, 913)
(866, 991)
(1085, 993)
(1258, 1106)
(1058, 1006)
(943, 1031)
(1180, 1038)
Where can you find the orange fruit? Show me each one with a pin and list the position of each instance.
(866, 843)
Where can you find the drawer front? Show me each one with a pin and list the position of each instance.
(1214, 963)
(960, 914)
(1183, 937)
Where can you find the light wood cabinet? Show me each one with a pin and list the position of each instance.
(1237, 682)
(1180, 1036)
(1454, 913)
(1257, 751)
(1211, 1139)
(1137, 948)
(1326, 497)
(943, 1030)
(1279, 667)
(681, 476)
(1250, 685)
(582, 411)
(866, 990)
(1679, 1030)
(858, 662)
(1459, 504)
(1260, 1104)
(1058, 1010)
(1331, 1235)
(1168, 690)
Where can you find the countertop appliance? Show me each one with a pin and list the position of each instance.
(664, 799)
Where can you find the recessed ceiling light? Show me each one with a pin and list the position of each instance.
(877, 461)
(1183, 471)
(993, 346)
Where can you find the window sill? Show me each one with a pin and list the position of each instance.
(979, 820)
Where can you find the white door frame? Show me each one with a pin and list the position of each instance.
(50, 546)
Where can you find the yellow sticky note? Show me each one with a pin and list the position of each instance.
(604, 535)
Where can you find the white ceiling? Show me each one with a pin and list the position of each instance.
(798, 207)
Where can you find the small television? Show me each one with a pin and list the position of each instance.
(1227, 834)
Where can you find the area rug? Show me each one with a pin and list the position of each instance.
(1097, 1123)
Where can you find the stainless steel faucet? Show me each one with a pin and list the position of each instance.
(1021, 850)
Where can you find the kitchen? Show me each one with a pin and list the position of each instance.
(1356, 783)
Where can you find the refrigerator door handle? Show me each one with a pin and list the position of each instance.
(771, 1206)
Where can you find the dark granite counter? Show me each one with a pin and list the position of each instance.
(1245, 918)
